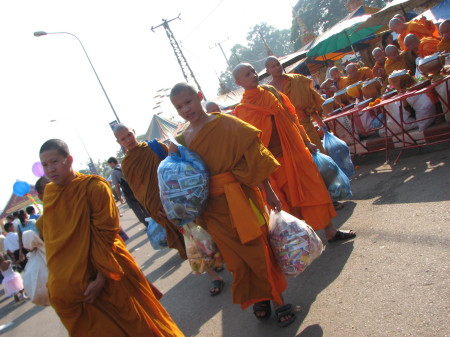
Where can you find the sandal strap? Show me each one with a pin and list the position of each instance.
(284, 310)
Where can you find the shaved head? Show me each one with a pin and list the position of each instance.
(444, 29)
(270, 59)
(351, 69)
(55, 144)
(392, 52)
(118, 128)
(211, 106)
(239, 68)
(335, 73)
(180, 87)
(378, 55)
(396, 25)
(400, 17)
(412, 42)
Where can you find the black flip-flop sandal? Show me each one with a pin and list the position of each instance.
(216, 284)
(263, 306)
(340, 235)
(218, 269)
(285, 311)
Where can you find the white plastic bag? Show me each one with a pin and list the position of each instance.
(35, 275)
(294, 243)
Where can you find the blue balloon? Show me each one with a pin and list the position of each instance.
(21, 188)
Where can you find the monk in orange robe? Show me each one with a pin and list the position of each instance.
(421, 47)
(307, 101)
(139, 167)
(405, 28)
(356, 74)
(297, 182)
(235, 216)
(380, 61)
(444, 30)
(94, 284)
(395, 60)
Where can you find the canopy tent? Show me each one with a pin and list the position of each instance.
(396, 7)
(438, 13)
(342, 35)
(286, 61)
(230, 99)
(15, 203)
(161, 128)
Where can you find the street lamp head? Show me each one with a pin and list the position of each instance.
(39, 33)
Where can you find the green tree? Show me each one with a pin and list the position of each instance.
(320, 15)
(256, 51)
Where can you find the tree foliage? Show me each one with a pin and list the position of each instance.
(320, 15)
(255, 52)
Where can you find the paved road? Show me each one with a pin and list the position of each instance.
(391, 281)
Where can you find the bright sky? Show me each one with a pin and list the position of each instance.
(49, 78)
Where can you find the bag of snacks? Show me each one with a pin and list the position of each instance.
(183, 180)
(201, 250)
(294, 243)
(336, 181)
(339, 151)
(156, 234)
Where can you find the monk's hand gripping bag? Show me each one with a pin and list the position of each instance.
(339, 151)
(335, 179)
(294, 243)
(183, 180)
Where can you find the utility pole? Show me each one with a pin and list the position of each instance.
(185, 69)
(219, 44)
(269, 52)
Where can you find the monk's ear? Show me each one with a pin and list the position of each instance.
(200, 95)
(69, 159)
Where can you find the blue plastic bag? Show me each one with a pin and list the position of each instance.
(339, 151)
(336, 181)
(156, 234)
(183, 181)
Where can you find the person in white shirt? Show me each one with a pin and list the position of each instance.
(12, 245)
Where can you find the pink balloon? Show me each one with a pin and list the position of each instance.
(37, 169)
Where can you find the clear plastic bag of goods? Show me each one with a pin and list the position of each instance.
(339, 151)
(183, 180)
(294, 243)
(156, 234)
(335, 179)
(201, 250)
(35, 275)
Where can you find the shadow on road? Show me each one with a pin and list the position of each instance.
(20, 319)
(311, 331)
(404, 182)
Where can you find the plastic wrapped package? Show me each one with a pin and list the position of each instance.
(393, 116)
(294, 243)
(442, 91)
(201, 250)
(424, 107)
(156, 234)
(339, 151)
(335, 179)
(35, 275)
(183, 181)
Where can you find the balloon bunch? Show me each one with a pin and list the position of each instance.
(22, 188)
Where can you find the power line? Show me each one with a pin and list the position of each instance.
(203, 21)
(185, 68)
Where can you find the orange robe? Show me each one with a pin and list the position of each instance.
(443, 46)
(140, 167)
(364, 73)
(427, 46)
(390, 65)
(416, 28)
(297, 183)
(306, 101)
(379, 71)
(342, 82)
(232, 150)
(80, 230)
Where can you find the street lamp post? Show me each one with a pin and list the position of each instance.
(41, 33)
(91, 165)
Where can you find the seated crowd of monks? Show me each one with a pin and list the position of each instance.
(259, 158)
(417, 39)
